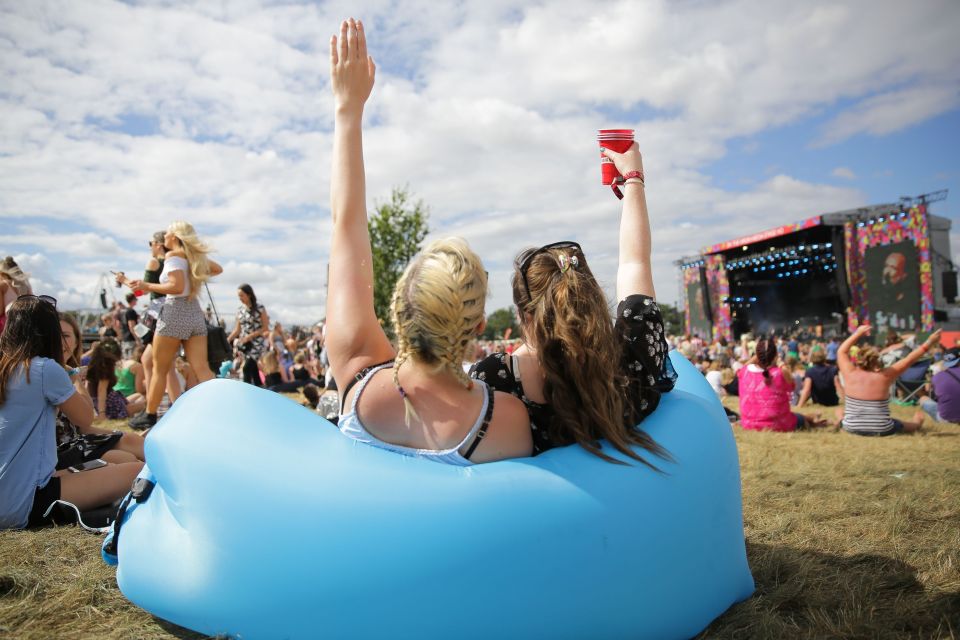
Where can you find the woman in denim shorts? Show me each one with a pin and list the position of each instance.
(185, 269)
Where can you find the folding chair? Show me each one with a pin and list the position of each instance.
(910, 384)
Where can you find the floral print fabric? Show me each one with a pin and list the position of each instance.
(639, 325)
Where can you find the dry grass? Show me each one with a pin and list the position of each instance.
(848, 537)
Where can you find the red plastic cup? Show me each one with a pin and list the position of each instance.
(618, 140)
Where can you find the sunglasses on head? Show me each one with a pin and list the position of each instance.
(527, 259)
(48, 299)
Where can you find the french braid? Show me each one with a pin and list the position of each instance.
(437, 305)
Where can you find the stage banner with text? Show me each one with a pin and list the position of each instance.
(890, 272)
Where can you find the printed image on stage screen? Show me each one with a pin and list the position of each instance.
(893, 287)
(699, 321)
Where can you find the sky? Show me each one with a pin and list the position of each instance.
(117, 118)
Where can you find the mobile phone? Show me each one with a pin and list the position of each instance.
(88, 465)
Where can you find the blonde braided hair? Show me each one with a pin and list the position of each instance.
(437, 305)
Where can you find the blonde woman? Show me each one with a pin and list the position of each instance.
(416, 400)
(186, 268)
(866, 384)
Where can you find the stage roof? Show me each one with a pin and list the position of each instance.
(782, 230)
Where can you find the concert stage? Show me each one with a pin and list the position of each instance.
(886, 264)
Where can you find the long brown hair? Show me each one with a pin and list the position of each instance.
(103, 365)
(32, 330)
(74, 359)
(565, 316)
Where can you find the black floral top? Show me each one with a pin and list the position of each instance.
(644, 362)
(249, 320)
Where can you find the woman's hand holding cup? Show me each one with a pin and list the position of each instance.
(629, 160)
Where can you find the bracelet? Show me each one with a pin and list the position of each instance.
(630, 177)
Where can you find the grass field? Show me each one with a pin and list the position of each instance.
(847, 537)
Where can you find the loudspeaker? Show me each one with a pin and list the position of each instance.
(948, 282)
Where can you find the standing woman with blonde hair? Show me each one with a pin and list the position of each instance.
(186, 268)
(416, 400)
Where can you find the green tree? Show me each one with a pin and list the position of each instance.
(672, 319)
(498, 322)
(397, 229)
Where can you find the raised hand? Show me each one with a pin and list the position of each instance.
(352, 70)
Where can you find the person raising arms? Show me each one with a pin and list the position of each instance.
(186, 268)
(866, 383)
(564, 371)
(416, 400)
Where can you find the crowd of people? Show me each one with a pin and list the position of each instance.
(774, 377)
(577, 376)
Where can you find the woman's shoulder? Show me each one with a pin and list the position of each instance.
(511, 424)
(635, 306)
(175, 256)
(495, 371)
(152, 264)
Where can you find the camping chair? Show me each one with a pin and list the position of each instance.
(911, 383)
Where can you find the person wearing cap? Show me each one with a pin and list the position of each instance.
(151, 274)
(943, 403)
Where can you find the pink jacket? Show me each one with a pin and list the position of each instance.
(765, 406)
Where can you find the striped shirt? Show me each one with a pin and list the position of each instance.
(867, 416)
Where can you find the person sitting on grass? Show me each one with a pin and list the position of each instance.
(33, 386)
(78, 443)
(821, 382)
(765, 391)
(867, 387)
(109, 403)
(943, 402)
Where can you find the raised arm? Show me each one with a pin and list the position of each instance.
(355, 339)
(634, 273)
(900, 366)
(843, 353)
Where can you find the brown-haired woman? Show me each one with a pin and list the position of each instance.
(867, 384)
(80, 442)
(565, 370)
(33, 385)
(765, 392)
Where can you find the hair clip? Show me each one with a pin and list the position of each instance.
(567, 262)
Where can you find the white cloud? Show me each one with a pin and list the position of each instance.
(844, 172)
(118, 118)
(890, 112)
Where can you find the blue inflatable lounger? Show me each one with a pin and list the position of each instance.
(258, 519)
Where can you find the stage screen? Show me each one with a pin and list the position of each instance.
(699, 318)
(893, 288)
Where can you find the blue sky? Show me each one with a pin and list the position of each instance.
(117, 118)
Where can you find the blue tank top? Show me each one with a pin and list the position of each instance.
(351, 426)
